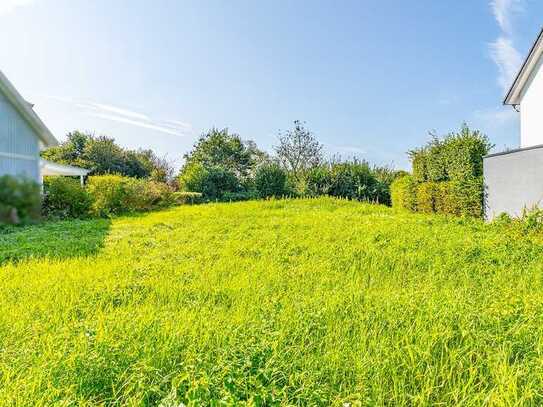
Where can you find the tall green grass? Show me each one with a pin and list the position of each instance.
(303, 302)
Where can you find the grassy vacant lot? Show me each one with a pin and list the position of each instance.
(309, 302)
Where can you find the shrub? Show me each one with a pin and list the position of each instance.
(212, 182)
(351, 180)
(460, 197)
(418, 162)
(271, 181)
(403, 192)
(455, 157)
(468, 196)
(384, 177)
(146, 195)
(427, 196)
(115, 194)
(465, 152)
(65, 198)
(317, 182)
(20, 200)
(110, 194)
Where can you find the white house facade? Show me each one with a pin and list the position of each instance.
(22, 136)
(514, 178)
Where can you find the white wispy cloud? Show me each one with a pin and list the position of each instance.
(507, 59)
(126, 116)
(7, 6)
(503, 11)
(502, 50)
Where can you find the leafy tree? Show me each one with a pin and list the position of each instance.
(219, 148)
(298, 150)
(221, 164)
(103, 156)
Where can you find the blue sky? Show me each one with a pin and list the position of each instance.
(370, 77)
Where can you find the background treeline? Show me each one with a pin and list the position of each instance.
(223, 167)
(447, 176)
(102, 155)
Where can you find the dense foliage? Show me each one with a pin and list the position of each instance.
(103, 156)
(65, 198)
(352, 180)
(20, 200)
(447, 176)
(221, 165)
(304, 302)
(115, 194)
(272, 181)
(457, 156)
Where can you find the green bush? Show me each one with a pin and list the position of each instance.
(403, 192)
(65, 198)
(115, 194)
(468, 196)
(271, 181)
(418, 162)
(317, 182)
(455, 157)
(465, 152)
(146, 195)
(20, 200)
(427, 196)
(460, 197)
(211, 182)
(110, 194)
(352, 180)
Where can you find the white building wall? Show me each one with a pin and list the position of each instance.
(531, 110)
(19, 145)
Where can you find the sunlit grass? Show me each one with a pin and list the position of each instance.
(305, 302)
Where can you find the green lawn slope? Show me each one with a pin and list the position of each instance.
(302, 302)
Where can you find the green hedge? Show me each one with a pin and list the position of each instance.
(115, 194)
(457, 156)
(20, 200)
(65, 198)
(459, 197)
(403, 193)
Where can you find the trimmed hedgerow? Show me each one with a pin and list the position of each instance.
(448, 176)
(455, 157)
(426, 196)
(403, 192)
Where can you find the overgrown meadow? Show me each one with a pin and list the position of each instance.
(287, 302)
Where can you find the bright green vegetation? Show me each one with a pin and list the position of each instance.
(308, 302)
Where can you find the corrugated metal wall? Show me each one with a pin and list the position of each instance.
(19, 145)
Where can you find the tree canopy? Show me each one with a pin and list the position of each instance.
(102, 155)
(298, 150)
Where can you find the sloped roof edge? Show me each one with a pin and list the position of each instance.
(514, 95)
(25, 109)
